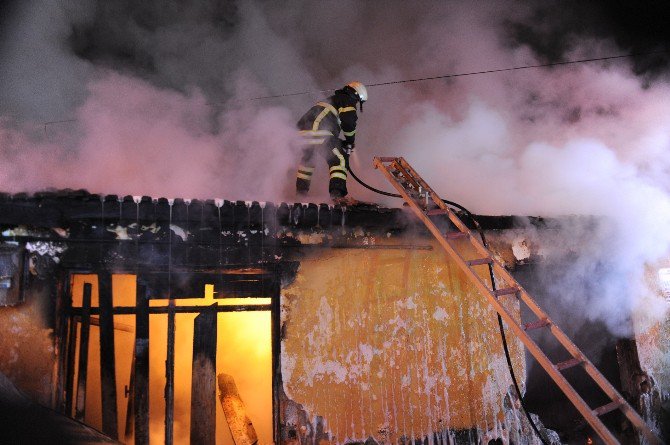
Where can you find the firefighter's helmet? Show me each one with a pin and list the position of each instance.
(360, 89)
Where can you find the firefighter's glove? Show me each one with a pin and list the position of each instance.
(347, 148)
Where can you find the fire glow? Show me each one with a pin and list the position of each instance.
(243, 351)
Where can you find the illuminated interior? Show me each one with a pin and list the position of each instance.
(243, 351)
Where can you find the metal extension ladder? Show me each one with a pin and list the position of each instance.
(426, 203)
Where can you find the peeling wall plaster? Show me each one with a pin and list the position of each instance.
(653, 338)
(392, 343)
(26, 350)
(653, 344)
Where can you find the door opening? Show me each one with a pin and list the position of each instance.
(245, 348)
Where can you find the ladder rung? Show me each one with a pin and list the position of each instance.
(505, 291)
(479, 261)
(568, 364)
(456, 235)
(412, 187)
(606, 408)
(542, 322)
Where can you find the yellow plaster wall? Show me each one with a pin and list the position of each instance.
(392, 343)
(651, 322)
(27, 350)
(653, 345)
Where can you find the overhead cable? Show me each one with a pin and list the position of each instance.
(474, 73)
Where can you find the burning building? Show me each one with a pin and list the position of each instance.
(323, 324)
(128, 317)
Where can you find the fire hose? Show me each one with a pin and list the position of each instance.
(493, 284)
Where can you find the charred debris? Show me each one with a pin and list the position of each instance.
(175, 248)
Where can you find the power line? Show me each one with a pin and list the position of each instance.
(445, 76)
(474, 73)
(57, 122)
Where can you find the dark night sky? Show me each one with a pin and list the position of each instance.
(153, 99)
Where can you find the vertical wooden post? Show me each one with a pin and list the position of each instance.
(110, 424)
(169, 376)
(275, 335)
(60, 342)
(71, 356)
(203, 384)
(80, 407)
(130, 410)
(141, 384)
(629, 367)
(631, 376)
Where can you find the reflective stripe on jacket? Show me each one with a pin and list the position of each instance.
(329, 117)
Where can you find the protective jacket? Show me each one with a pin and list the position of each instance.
(320, 128)
(327, 118)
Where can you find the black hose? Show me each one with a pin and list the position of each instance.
(369, 187)
(500, 323)
(493, 286)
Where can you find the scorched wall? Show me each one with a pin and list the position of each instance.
(380, 336)
(393, 343)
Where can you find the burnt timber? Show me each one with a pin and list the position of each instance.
(190, 242)
(175, 247)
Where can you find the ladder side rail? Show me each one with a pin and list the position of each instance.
(435, 197)
(604, 384)
(533, 348)
(544, 361)
(575, 352)
(413, 176)
(564, 340)
(549, 367)
(503, 274)
(419, 179)
(408, 176)
(453, 217)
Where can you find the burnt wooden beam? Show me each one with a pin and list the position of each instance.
(146, 210)
(71, 356)
(241, 212)
(203, 383)
(129, 214)
(80, 406)
(110, 424)
(130, 407)
(239, 423)
(275, 335)
(95, 321)
(82, 210)
(194, 228)
(235, 272)
(132, 310)
(25, 210)
(192, 284)
(629, 368)
(141, 377)
(60, 342)
(169, 376)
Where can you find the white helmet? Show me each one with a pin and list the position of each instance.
(360, 89)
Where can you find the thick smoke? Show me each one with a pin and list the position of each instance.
(156, 98)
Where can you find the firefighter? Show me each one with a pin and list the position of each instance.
(320, 129)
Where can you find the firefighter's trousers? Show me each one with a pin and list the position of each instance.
(329, 149)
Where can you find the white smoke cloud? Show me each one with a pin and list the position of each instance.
(580, 139)
(40, 78)
(136, 139)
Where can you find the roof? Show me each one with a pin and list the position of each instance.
(73, 207)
